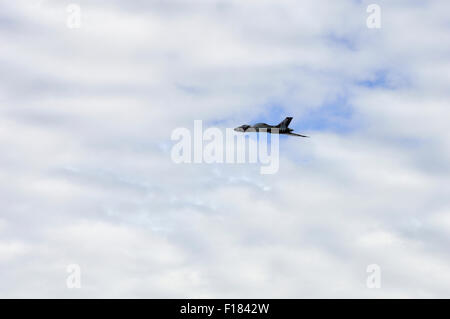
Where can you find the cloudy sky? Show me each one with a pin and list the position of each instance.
(86, 176)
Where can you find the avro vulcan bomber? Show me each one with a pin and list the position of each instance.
(282, 128)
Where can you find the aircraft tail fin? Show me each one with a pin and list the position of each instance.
(285, 123)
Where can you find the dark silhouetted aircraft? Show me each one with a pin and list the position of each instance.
(281, 128)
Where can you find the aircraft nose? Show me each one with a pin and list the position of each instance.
(238, 129)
